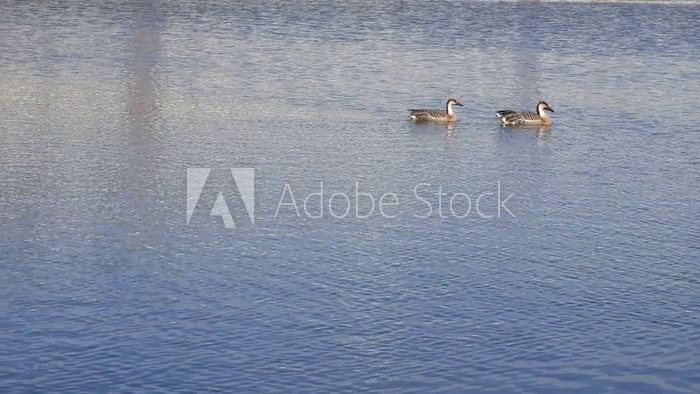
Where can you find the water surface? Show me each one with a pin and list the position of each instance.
(590, 286)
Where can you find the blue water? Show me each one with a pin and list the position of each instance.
(586, 279)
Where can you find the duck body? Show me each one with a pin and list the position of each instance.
(540, 117)
(435, 115)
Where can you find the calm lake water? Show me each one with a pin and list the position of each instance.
(562, 260)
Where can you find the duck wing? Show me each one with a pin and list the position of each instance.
(508, 116)
(426, 114)
(528, 115)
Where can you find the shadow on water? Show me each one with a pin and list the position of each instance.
(526, 53)
(542, 133)
(143, 112)
(427, 127)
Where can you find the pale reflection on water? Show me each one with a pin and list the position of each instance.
(144, 114)
(591, 286)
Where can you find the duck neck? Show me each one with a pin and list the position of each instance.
(542, 113)
(449, 110)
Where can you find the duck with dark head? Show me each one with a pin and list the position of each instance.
(540, 117)
(435, 115)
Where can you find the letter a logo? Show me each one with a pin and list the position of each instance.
(244, 179)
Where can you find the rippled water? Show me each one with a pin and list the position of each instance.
(591, 285)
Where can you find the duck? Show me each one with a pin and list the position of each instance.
(509, 117)
(435, 115)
